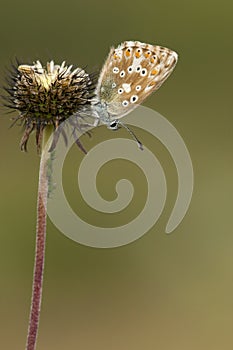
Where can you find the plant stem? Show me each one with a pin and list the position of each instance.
(37, 285)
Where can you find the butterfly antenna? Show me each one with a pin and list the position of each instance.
(132, 134)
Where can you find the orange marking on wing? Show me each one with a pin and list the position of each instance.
(153, 59)
(128, 53)
(147, 54)
(137, 53)
(154, 72)
(152, 83)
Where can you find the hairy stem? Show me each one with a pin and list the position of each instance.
(43, 188)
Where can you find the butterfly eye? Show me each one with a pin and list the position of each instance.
(143, 72)
(113, 125)
(125, 103)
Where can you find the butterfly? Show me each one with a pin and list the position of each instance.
(131, 72)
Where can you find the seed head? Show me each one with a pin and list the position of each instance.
(47, 96)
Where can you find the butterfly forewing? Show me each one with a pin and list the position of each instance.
(131, 73)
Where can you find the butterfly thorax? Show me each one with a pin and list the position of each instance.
(101, 113)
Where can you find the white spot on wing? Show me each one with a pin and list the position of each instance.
(129, 43)
(126, 87)
(137, 61)
(148, 88)
(115, 70)
(125, 103)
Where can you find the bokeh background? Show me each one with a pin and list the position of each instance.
(162, 291)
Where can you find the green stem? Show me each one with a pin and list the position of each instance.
(43, 188)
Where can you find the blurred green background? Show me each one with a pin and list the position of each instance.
(162, 291)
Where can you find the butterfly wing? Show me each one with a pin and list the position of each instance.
(131, 73)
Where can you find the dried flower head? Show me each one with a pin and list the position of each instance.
(47, 96)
